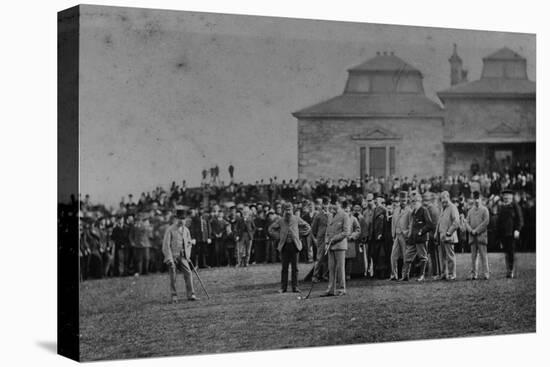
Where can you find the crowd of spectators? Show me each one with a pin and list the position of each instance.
(127, 240)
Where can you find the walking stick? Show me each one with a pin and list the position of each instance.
(199, 278)
(365, 260)
(437, 255)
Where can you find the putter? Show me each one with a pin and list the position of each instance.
(199, 278)
(312, 283)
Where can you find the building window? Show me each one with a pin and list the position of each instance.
(377, 161)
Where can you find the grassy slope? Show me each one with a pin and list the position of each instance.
(131, 317)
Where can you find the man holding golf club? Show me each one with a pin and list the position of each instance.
(176, 248)
(338, 231)
(288, 231)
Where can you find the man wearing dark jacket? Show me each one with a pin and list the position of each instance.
(120, 237)
(378, 239)
(219, 228)
(509, 224)
(421, 224)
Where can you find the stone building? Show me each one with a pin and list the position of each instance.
(383, 123)
(491, 121)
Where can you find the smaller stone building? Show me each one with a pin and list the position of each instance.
(491, 121)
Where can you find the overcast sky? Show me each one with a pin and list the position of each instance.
(165, 94)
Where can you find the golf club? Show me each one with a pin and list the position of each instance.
(199, 278)
(312, 276)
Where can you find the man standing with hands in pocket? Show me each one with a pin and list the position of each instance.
(446, 232)
(176, 248)
(476, 224)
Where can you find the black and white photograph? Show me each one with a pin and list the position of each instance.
(250, 183)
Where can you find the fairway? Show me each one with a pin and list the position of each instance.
(132, 317)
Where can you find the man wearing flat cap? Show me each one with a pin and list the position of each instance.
(288, 231)
(176, 248)
(509, 224)
(476, 224)
(400, 226)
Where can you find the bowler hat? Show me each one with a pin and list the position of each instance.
(476, 195)
(507, 191)
(180, 212)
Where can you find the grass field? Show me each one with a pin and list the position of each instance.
(133, 318)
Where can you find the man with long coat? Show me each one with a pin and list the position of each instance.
(509, 224)
(377, 237)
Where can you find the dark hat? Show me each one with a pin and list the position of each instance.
(476, 195)
(403, 194)
(507, 191)
(380, 196)
(180, 212)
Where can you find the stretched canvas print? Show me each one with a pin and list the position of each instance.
(234, 183)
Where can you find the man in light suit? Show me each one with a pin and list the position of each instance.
(288, 231)
(400, 225)
(446, 233)
(338, 231)
(318, 232)
(476, 224)
(176, 248)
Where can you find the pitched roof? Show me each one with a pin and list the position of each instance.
(373, 104)
(497, 87)
(504, 54)
(384, 62)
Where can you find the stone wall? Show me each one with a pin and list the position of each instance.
(326, 147)
(471, 119)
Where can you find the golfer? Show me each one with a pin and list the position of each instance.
(338, 231)
(176, 248)
(288, 231)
